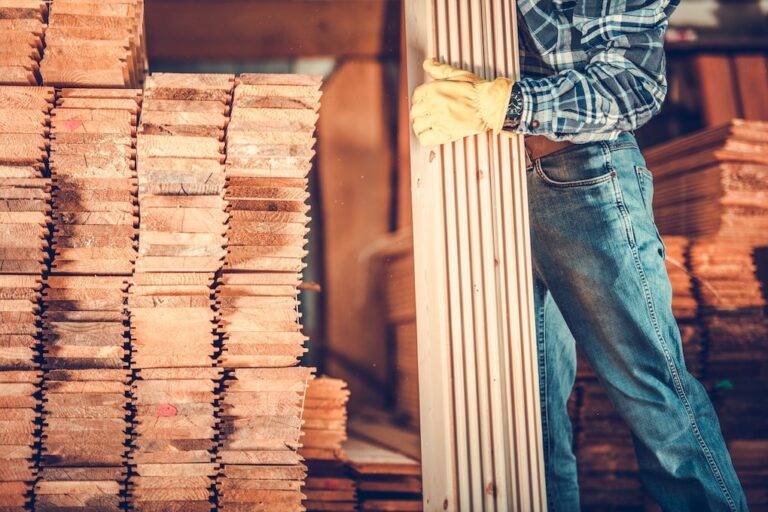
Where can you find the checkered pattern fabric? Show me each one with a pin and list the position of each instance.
(591, 69)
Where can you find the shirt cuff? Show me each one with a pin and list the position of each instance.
(537, 114)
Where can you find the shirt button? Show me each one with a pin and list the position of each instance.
(535, 124)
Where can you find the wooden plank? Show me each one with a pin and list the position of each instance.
(473, 270)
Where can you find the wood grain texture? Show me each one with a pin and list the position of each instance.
(480, 419)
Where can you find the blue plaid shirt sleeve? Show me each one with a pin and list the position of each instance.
(611, 80)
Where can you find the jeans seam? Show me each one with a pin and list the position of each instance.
(671, 366)
(540, 320)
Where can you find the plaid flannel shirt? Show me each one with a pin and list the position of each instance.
(591, 69)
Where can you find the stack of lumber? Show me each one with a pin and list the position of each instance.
(173, 319)
(605, 454)
(726, 274)
(749, 458)
(713, 182)
(737, 373)
(386, 480)
(683, 301)
(85, 415)
(94, 44)
(325, 419)
(260, 430)
(18, 416)
(269, 150)
(24, 218)
(329, 485)
(400, 297)
(22, 23)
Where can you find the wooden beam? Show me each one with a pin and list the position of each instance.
(480, 418)
(247, 30)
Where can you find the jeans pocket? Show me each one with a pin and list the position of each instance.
(584, 167)
(645, 183)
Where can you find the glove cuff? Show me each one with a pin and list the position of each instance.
(492, 101)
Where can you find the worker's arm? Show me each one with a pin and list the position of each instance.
(621, 87)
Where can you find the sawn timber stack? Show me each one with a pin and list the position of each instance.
(86, 415)
(94, 44)
(24, 217)
(270, 142)
(173, 317)
(22, 23)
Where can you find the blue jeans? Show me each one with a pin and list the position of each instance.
(600, 281)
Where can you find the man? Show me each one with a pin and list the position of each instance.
(593, 71)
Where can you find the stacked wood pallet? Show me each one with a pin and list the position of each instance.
(94, 44)
(86, 412)
(269, 150)
(22, 23)
(329, 485)
(386, 480)
(24, 218)
(173, 319)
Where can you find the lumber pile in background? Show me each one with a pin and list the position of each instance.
(329, 485)
(400, 300)
(325, 419)
(684, 305)
(711, 205)
(22, 23)
(270, 142)
(712, 184)
(24, 218)
(608, 473)
(386, 480)
(94, 44)
(85, 412)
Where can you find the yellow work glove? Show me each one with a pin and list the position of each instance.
(457, 104)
